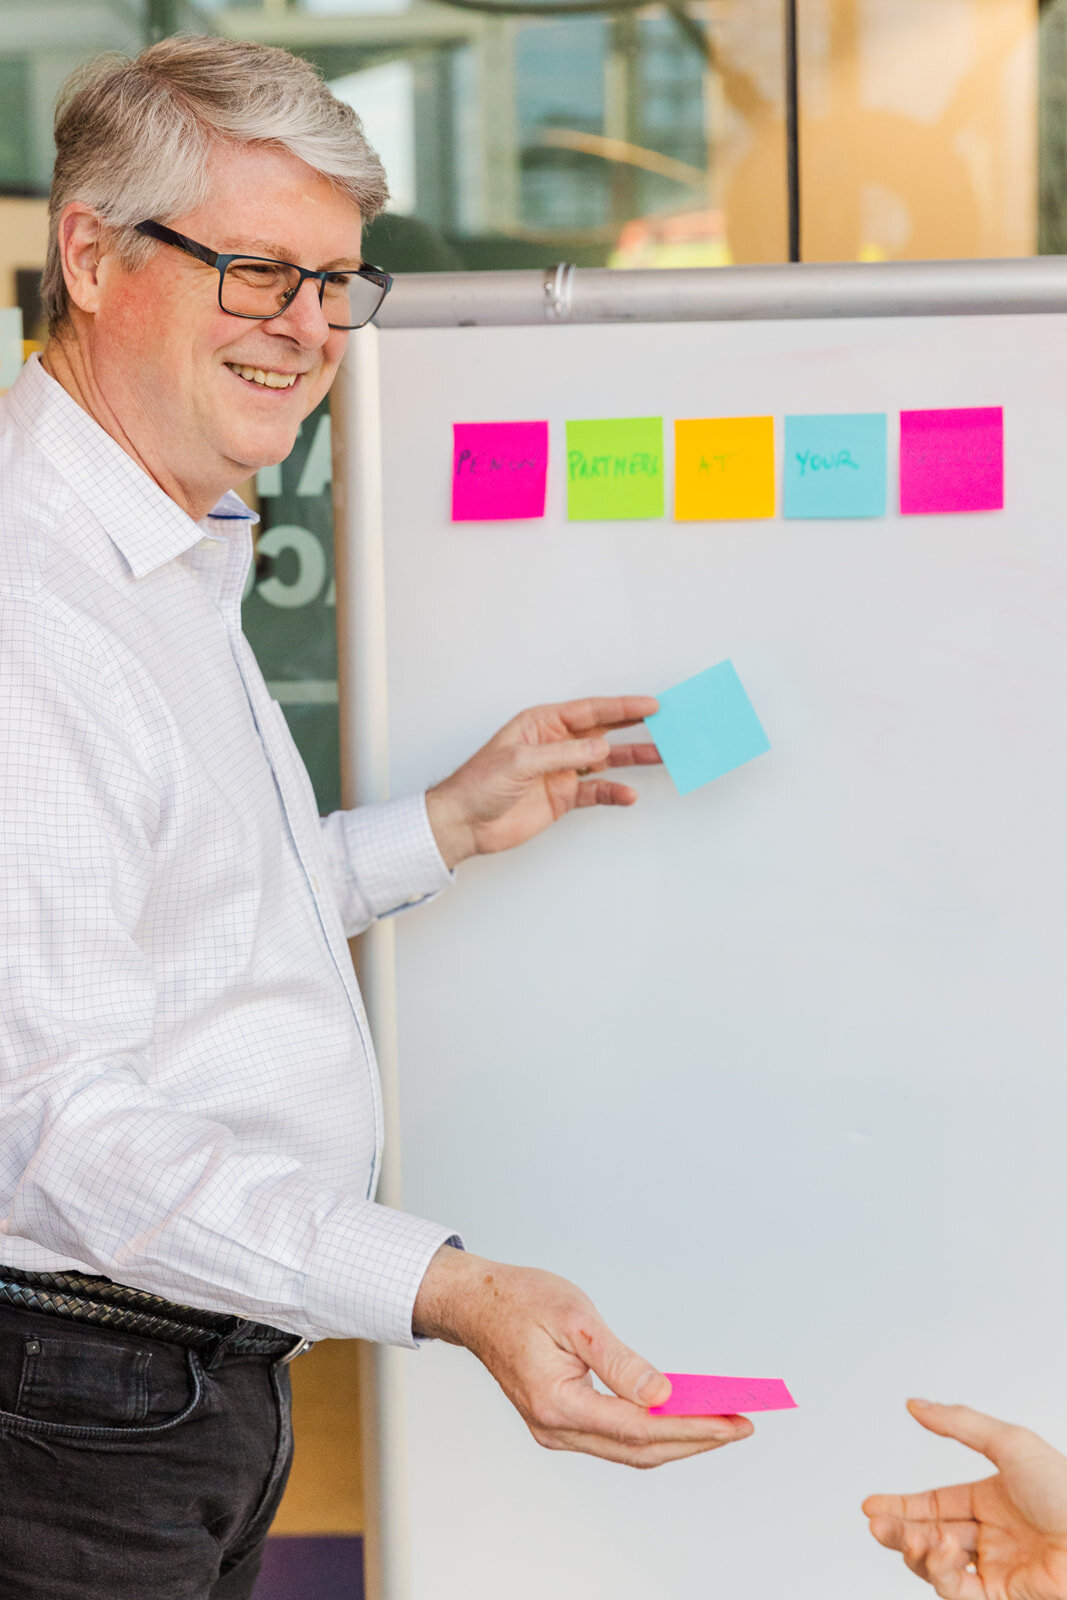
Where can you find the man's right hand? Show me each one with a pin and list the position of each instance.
(1002, 1538)
(542, 1339)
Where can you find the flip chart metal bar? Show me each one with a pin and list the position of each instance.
(709, 294)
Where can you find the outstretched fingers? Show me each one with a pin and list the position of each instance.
(619, 1430)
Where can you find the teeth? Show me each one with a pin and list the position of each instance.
(272, 380)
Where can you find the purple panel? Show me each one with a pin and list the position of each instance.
(312, 1567)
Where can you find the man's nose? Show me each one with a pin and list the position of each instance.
(303, 318)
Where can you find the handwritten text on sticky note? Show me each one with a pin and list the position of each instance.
(693, 1395)
(835, 466)
(615, 469)
(723, 468)
(952, 460)
(705, 727)
(498, 470)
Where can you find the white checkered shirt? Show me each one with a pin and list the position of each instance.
(189, 1101)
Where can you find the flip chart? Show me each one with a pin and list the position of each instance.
(835, 466)
(615, 469)
(498, 470)
(723, 468)
(694, 1395)
(952, 460)
(705, 727)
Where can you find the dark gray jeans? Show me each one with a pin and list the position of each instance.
(127, 1471)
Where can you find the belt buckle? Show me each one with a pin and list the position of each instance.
(299, 1346)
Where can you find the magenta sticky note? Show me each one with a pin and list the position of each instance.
(952, 460)
(498, 470)
(693, 1395)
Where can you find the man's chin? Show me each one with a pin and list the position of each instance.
(251, 455)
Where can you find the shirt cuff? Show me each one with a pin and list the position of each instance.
(366, 1270)
(392, 857)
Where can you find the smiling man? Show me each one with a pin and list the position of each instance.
(190, 1116)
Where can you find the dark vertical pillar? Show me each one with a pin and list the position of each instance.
(792, 127)
(1052, 130)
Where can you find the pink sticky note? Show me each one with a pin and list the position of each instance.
(952, 460)
(693, 1395)
(498, 470)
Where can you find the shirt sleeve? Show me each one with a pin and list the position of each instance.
(101, 1163)
(383, 859)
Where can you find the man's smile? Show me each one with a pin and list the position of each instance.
(264, 376)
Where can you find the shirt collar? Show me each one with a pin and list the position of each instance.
(147, 526)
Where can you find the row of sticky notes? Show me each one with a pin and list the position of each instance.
(725, 468)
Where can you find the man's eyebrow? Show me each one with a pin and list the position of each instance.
(278, 252)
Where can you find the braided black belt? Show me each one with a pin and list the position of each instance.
(112, 1305)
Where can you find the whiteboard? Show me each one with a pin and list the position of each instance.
(775, 1072)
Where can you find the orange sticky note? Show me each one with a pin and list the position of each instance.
(723, 469)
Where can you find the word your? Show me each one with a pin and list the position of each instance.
(636, 465)
(808, 458)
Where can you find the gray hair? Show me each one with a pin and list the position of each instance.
(133, 137)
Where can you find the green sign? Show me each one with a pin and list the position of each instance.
(290, 606)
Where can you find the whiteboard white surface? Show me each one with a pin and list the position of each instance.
(775, 1072)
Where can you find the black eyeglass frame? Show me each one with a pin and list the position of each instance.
(213, 258)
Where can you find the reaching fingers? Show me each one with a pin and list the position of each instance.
(605, 794)
(604, 712)
(572, 755)
(618, 1430)
(997, 1441)
(895, 1533)
(634, 755)
(952, 1504)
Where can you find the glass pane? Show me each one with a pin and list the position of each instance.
(919, 128)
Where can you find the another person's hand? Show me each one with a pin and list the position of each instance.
(542, 1339)
(531, 773)
(1002, 1538)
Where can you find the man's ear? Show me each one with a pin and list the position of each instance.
(81, 245)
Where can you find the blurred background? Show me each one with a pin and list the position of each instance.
(605, 134)
(516, 134)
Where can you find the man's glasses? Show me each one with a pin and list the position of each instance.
(259, 288)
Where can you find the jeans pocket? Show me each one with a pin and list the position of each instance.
(94, 1387)
(83, 1382)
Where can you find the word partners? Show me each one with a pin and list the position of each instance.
(615, 469)
(499, 470)
(836, 466)
(723, 469)
(952, 460)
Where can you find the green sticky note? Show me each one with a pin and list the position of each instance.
(615, 469)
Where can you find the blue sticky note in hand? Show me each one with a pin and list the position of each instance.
(706, 726)
(835, 466)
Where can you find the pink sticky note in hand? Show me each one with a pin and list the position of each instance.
(498, 470)
(693, 1395)
(952, 460)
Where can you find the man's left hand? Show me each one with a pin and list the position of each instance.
(543, 764)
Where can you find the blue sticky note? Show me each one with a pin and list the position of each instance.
(706, 726)
(835, 466)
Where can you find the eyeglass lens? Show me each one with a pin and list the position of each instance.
(263, 288)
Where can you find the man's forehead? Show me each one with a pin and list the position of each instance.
(263, 200)
(295, 250)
